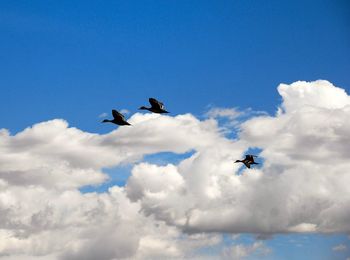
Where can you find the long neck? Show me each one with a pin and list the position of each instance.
(106, 120)
(144, 108)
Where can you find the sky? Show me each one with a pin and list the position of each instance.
(269, 78)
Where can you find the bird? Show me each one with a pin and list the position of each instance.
(118, 119)
(248, 160)
(156, 106)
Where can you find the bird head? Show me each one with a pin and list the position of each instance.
(143, 108)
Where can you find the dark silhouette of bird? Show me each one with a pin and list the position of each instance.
(248, 160)
(156, 106)
(118, 119)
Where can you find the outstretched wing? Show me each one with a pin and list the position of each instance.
(155, 103)
(247, 164)
(250, 157)
(117, 115)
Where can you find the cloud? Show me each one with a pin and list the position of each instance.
(124, 111)
(230, 113)
(44, 213)
(318, 94)
(104, 114)
(298, 189)
(340, 247)
(230, 118)
(170, 211)
(241, 251)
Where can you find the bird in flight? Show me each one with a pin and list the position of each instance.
(118, 119)
(248, 160)
(156, 106)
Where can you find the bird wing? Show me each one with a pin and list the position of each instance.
(247, 164)
(155, 103)
(248, 157)
(117, 115)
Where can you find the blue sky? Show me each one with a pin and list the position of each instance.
(75, 60)
(78, 59)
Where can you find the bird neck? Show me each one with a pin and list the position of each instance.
(144, 108)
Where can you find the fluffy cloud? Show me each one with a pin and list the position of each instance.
(53, 154)
(169, 211)
(44, 213)
(302, 186)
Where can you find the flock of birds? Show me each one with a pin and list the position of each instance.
(158, 107)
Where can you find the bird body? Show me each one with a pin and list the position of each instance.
(156, 106)
(248, 160)
(118, 119)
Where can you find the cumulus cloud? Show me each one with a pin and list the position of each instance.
(298, 189)
(44, 213)
(169, 211)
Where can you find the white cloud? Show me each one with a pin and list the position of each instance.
(301, 186)
(104, 114)
(241, 251)
(299, 189)
(317, 94)
(124, 111)
(230, 113)
(43, 212)
(340, 247)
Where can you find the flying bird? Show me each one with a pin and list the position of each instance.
(156, 106)
(118, 119)
(248, 160)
